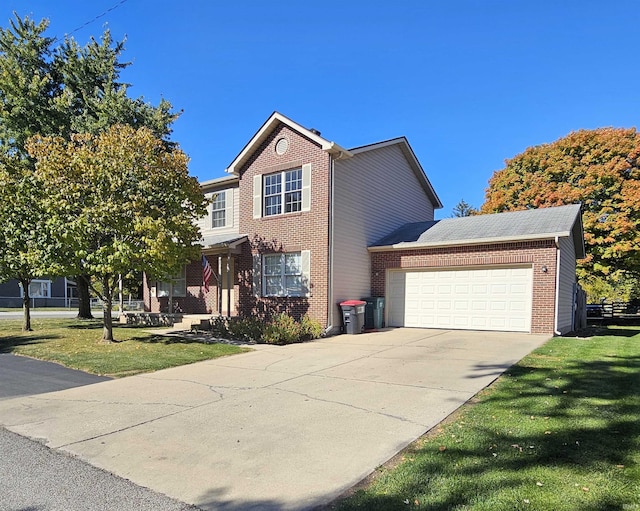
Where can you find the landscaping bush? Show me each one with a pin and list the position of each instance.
(245, 329)
(283, 329)
(310, 328)
(219, 327)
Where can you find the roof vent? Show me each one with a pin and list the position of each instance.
(314, 131)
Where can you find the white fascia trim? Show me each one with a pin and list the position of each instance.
(377, 145)
(477, 241)
(218, 181)
(276, 117)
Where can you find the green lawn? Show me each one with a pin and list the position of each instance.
(75, 344)
(559, 431)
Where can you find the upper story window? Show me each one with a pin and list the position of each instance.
(219, 208)
(283, 192)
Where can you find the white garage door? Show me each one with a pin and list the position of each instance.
(471, 299)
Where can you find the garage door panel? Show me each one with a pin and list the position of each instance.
(483, 298)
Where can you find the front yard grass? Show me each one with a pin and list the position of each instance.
(559, 431)
(74, 343)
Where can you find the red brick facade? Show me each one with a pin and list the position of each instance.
(289, 232)
(537, 254)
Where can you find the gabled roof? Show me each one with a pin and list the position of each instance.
(267, 128)
(527, 225)
(406, 149)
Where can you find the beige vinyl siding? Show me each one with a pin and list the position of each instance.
(362, 217)
(231, 213)
(566, 285)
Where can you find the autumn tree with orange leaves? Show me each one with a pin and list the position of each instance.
(598, 168)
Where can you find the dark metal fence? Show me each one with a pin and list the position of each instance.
(613, 310)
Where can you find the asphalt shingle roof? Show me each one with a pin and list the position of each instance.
(510, 226)
(221, 239)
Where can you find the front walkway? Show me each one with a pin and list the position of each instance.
(279, 428)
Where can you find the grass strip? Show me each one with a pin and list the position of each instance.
(559, 431)
(75, 344)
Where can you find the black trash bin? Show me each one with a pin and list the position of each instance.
(353, 316)
(374, 312)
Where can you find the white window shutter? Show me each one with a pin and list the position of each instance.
(228, 204)
(207, 221)
(257, 196)
(257, 275)
(306, 187)
(305, 263)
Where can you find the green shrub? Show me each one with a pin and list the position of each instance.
(310, 328)
(245, 329)
(219, 327)
(282, 329)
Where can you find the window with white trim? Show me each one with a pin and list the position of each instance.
(218, 210)
(179, 283)
(282, 275)
(38, 289)
(279, 198)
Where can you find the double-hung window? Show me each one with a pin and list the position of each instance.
(283, 192)
(178, 283)
(219, 208)
(282, 274)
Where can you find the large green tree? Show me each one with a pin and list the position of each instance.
(20, 232)
(94, 99)
(61, 90)
(598, 168)
(29, 86)
(121, 201)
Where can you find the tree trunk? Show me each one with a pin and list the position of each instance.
(107, 330)
(26, 305)
(84, 299)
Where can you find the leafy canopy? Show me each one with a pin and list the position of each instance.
(55, 89)
(598, 168)
(121, 201)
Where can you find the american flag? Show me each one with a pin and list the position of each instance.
(206, 273)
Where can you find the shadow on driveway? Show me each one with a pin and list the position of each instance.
(23, 376)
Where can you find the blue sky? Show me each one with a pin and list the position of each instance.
(468, 82)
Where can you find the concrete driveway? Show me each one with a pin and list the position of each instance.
(279, 428)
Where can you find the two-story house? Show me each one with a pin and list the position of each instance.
(297, 226)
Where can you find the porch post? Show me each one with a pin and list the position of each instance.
(219, 286)
(228, 284)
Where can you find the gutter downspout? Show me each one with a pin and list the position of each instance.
(555, 327)
(330, 305)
